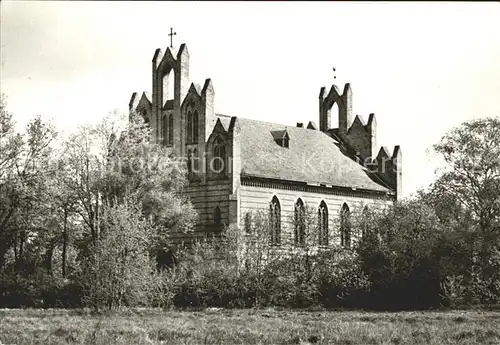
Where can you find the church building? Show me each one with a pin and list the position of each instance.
(238, 166)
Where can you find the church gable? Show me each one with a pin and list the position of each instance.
(225, 121)
(140, 100)
(145, 100)
(145, 107)
(218, 153)
(141, 105)
(383, 154)
(168, 62)
(357, 126)
(193, 95)
(359, 139)
(197, 109)
(217, 131)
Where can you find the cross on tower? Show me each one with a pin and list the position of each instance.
(171, 34)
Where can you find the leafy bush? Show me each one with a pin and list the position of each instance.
(399, 253)
(341, 281)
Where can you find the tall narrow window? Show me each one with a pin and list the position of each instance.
(217, 162)
(275, 221)
(217, 218)
(299, 223)
(345, 226)
(323, 224)
(189, 128)
(191, 124)
(219, 158)
(222, 156)
(195, 126)
(170, 129)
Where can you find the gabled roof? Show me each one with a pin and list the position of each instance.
(138, 97)
(312, 125)
(148, 96)
(312, 157)
(198, 88)
(225, 120)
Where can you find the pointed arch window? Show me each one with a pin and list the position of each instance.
(219, 157)
(275, 221)
(323, 223)
(195, 127)
(170, 129)
(217, 162)
(345, 226)
(299, 223)
(189, 129)
(192, 124)
(222, 156)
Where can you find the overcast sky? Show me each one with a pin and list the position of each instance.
(421, 68)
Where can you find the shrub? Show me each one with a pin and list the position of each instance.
(341, 281)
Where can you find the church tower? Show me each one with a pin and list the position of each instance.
(167, 121)
(180, 113)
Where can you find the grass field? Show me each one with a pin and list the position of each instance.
(248, 327)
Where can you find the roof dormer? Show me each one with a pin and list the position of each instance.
(281, 138)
